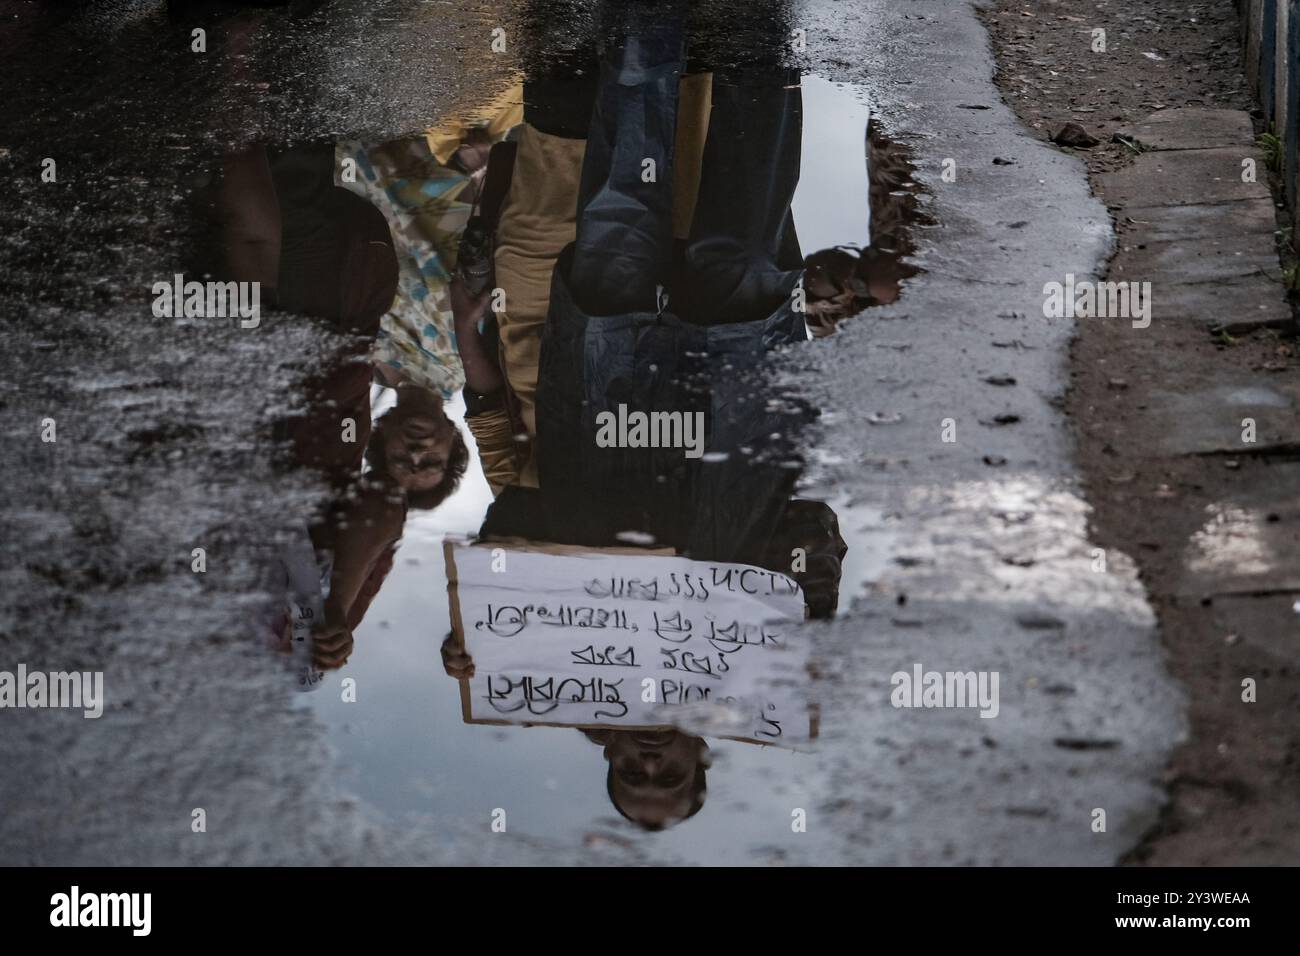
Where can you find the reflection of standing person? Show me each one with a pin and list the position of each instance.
(609, 339)
(321, 251)
(842, 282)
(634, 322)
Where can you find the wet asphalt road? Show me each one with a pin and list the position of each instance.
(980, 553)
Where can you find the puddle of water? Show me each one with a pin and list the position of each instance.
(405, 749)
(574, 628)
(832, 205)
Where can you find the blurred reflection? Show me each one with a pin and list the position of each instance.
(321, 251)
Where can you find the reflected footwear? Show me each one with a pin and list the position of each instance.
(642, 41)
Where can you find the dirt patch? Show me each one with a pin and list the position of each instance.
(1233, 788)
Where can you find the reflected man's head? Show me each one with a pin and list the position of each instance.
(656, 777)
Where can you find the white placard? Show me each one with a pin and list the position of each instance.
(591, 638)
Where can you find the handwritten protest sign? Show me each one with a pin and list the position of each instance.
(591, 638)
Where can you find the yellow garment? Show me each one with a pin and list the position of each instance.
(538, 219)
(503, 458)
(694, 103)
(498, 117)
(537, 222)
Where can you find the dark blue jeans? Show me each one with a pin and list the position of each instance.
(741, 259)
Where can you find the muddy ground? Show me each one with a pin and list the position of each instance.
(1233, 785)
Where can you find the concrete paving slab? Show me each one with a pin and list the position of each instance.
(1202, 220)
(1205, 239)
(1235, 305)
(1192, 128)
(1243, 542)
(1184, 177)
(1267, 622)
(1210, 420)
(1201, 260)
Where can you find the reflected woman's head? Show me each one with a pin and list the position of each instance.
(418, 448)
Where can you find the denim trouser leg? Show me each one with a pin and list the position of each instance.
(750, 171)
(624, 224)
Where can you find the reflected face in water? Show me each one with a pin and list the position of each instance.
(415, 440)
(656, 777)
